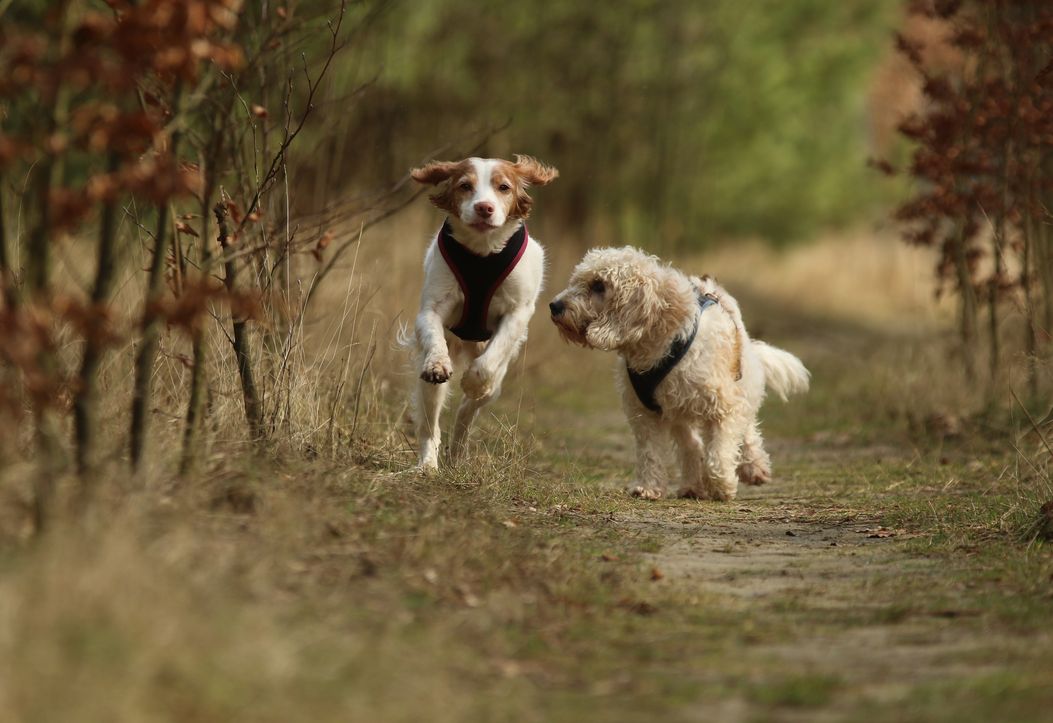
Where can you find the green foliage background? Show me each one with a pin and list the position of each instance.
(673, 122)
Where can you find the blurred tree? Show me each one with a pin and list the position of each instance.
(673, 122)
(981, 154)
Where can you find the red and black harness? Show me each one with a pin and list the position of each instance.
(479, 278)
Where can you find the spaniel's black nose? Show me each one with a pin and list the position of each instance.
(556, 307)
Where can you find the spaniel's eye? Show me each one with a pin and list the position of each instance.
(504, 188)
(597, 286)
(466, 186)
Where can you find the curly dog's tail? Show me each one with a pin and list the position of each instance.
(784, 373)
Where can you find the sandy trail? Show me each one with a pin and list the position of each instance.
(834, 583)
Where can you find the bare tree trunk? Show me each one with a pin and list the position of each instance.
(38, 267)
(151, 330)
(144, 360)
(253, 408)
(8, 294)
(85, 406)
(199, 374)
(999, 243)
(992, 335)
(1044, 248)
(966, 305)
(1045, 260)
(196, 406)
(7, 274)
(1030, 322)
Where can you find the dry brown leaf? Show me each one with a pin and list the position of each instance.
(186, 228)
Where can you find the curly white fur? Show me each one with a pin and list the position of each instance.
(629, 302)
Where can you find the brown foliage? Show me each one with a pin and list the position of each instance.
(982, 146)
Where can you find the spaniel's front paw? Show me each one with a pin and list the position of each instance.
(437, 370)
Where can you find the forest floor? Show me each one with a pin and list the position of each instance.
(884, 575)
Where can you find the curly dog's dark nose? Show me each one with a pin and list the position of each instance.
(557, 307)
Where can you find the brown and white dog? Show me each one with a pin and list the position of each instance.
(689, 372)
(482, 276)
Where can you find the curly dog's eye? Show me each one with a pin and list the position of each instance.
(597, 286)
(466, 186)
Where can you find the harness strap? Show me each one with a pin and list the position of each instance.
(646, 383)
(479, 278)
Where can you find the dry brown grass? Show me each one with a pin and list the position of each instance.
(317, 579)
(862, 276)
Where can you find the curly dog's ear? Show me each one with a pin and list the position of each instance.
(606, 334)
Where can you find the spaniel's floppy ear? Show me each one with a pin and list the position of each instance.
(534, 171)
(434, 172)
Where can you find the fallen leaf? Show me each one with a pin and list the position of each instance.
(468, 597)
(509, 668)
(656, 574)
(639, 607)
(185, 228)
(954, 613)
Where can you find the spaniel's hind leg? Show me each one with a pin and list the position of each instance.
(428, 403)
(464, 355)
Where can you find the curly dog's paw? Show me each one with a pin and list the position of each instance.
(715, 495)
(645, 493)
(753, 473)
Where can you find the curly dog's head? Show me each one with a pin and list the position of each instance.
(619, 298)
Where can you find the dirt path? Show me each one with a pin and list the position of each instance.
(847, 616)
(797, 601)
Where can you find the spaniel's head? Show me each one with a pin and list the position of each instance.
(485, 193)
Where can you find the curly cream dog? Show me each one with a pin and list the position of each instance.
(482, 277)
(690, 371)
